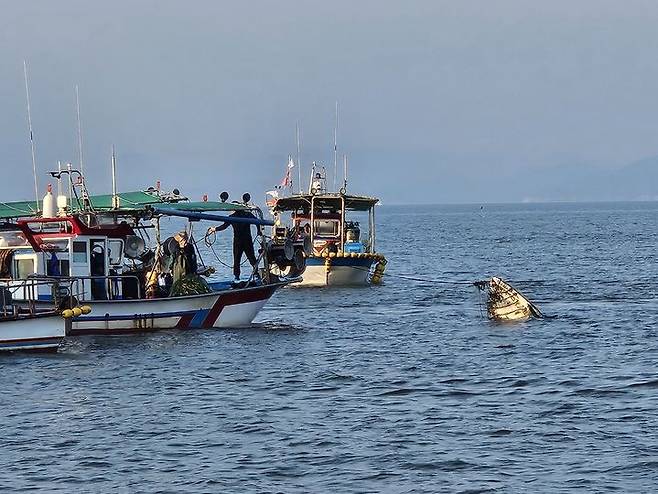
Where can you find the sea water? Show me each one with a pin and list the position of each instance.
(403, 387)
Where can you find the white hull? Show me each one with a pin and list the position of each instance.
(335, 276)
(229, 308)
(38, 333)
(507, 304)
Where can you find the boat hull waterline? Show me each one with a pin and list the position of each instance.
(40, 333)
(338, 272)
(231, 308)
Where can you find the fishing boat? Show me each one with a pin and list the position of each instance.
(29, 327)
(505, 303)
(340, 253)
(111, 248)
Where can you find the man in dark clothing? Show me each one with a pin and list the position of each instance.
(243, 243)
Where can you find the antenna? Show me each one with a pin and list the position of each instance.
(115, 197)
(29, 126)
(59, 179)
(345, 172)
(310, 182)
(336, 147)
(77, 111)
(299, 158)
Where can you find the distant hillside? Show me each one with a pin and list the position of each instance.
(637, 181)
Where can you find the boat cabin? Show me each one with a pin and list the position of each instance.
(71, 246)
(325, 218)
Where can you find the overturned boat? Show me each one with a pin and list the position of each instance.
(506, 303)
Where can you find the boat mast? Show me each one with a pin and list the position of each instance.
(77, 111)
(345, 173)
(299, 158)
(29, 125)
(115, 197)
(336, 147)
(310, 182)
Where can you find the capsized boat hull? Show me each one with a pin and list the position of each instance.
(508, 304)
(218, 309)
(337, 271)
(35, 333)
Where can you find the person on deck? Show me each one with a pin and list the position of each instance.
(243, 243)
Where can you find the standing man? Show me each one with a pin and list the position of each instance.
(243, 243)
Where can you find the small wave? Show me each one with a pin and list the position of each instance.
(447, 466)
(645, 384)
(638, 466)
(397, 392)
(599, 392)
(500, 433)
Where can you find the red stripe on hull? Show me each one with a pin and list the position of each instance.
(233, 299)
(185, 321)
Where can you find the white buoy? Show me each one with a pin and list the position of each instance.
(49, 203)
(62, 204)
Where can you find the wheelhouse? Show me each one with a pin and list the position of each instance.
(325, 218)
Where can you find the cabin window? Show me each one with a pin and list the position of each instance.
(115, 254)
(326, 228)
(80, 252)
(13, 239)
(24, 268)
(57, 267)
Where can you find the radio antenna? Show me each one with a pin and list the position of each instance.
(299, 158)
(115, 197)
(336, 147)
(29, 125)
(77, 111)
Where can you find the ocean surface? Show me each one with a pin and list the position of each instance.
(403, 387)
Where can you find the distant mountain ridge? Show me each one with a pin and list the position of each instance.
(637, 181)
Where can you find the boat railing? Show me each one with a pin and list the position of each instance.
(109, 288)
(26, 292)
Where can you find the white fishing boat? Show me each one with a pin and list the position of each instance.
(340, 253)
(28, 327)
(110, 248)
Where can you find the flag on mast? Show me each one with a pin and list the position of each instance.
(287, 179)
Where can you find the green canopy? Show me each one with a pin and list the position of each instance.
(325, 201)
(200, 207)
(9, 210)
(129, 202)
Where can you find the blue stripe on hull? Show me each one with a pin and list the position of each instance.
(341, 261)
(198, 318)
(157, 315)
(31, 345)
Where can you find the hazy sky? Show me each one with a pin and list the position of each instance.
(436, 97)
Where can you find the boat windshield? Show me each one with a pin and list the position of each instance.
(13, 239)
(326, 228)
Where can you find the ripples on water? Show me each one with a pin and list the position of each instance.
(398, 388)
